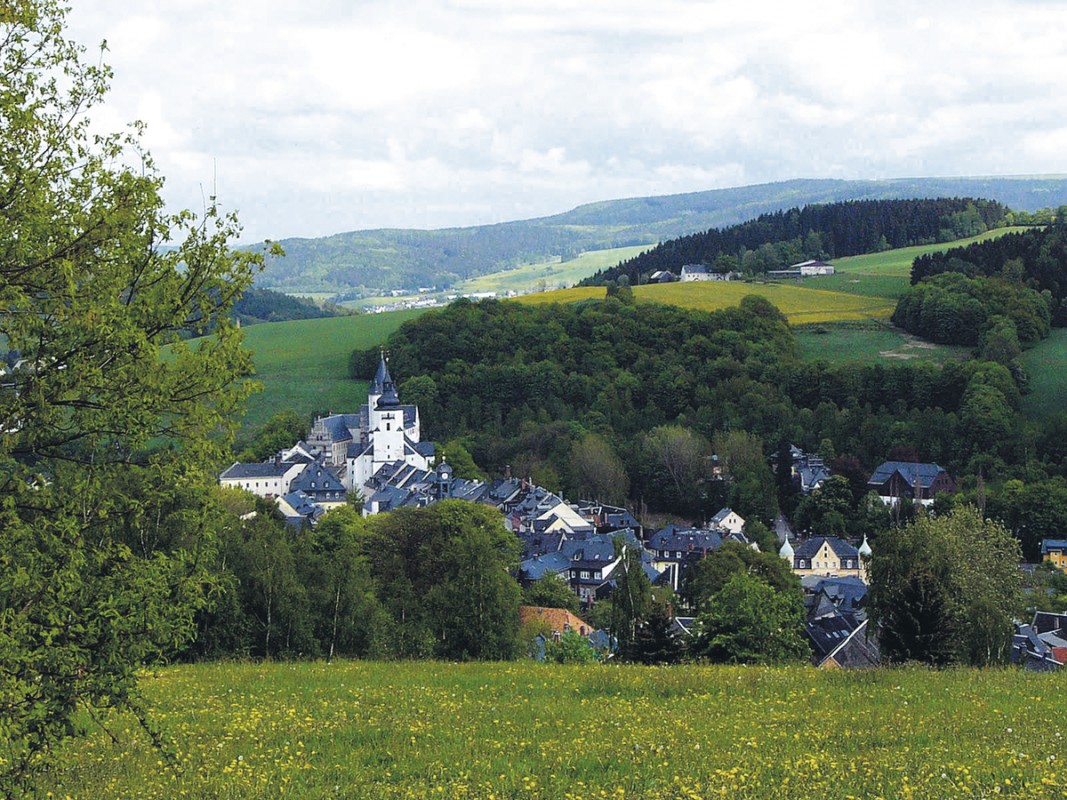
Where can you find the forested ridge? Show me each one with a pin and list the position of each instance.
(834, 230)
(538, 388)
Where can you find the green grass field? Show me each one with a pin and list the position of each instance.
(841, 343)
(303, 365)
(524, 730)
(1046, 363)
(549, 274)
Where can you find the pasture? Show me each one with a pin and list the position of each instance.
(553, 274)
(525, 730)
(1046, 364)
(303, 365)
(841, 343)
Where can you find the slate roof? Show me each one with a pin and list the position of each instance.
(1053, 545)
(810, 547)
(336, 426)
(687, 540)
(377, 386)
(1030, 652)
(317, 480)
(909, 471)
(723, 514)
(268, 469)
(848, 592)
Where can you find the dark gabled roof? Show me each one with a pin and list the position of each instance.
(1045, 621)
(409, 415)
(359, 450)
(686, 540)
(268, 469)
(827, 632)
(723, 514)
(810, 547)
(1053, 545)
(847, 591)
(336, 427)
(909, 471)
(425, 449)
(390, 497)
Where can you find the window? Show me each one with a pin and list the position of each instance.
(585, 573)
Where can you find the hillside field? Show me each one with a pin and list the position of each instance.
(527, 730)
(871, 342)
(800, 304)
(552, 274)
(1046, 364)
(303, 365)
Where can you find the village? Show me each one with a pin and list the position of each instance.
(377, 454)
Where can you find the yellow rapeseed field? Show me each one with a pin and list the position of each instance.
(799, 303)
(524, 730)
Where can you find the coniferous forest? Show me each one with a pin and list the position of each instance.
(775, 240)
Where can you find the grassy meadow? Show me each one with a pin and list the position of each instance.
(525, 730)
(1046, 364)
(870, 342)
(549, 274)
(303, 365)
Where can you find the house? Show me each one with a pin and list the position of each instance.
(728, 520)
(827, 556)
(808, 471)
(836, 625)
(805, 269)
(694, 272)
(1042, 645)
(662, 276)
(269, 479)
(894, 480)
(1055, 552)
(557, 620)
(675, 549)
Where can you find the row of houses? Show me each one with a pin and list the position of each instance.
(691, 273)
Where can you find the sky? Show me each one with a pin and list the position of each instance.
(322, 116)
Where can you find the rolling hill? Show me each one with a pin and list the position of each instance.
(383, 259)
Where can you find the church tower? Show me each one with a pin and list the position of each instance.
(377, 387)
(389, 416)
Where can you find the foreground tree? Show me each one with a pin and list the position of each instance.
(444, 577)
(945, 590)
(98, 432)
(749, 622)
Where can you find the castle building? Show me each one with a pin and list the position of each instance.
(385, 431)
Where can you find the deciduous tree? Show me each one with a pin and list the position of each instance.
(945, 590)
(95, 424)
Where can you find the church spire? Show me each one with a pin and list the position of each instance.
(377, 386)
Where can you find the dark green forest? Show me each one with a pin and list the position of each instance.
(536, 389)
(264, 305)
(1036, 258)
(775, 240)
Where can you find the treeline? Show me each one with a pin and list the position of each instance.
(417, 583)
(650, 392)
(1037, 258)
(265, 305)
(952, 308)
(815, 231)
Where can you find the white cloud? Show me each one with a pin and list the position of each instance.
(329, 115)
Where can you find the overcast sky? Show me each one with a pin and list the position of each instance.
(322, 116)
